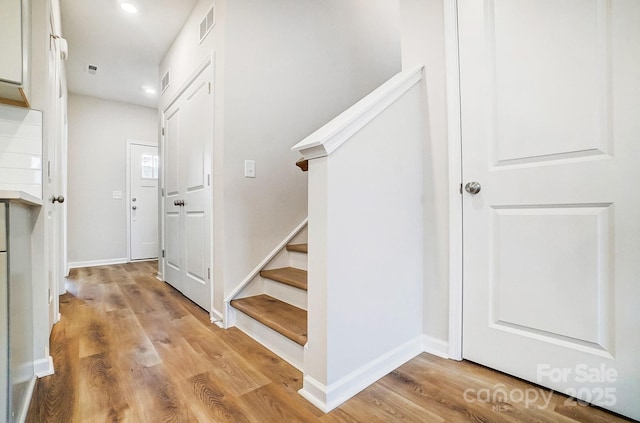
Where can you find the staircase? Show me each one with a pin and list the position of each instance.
(272, 307)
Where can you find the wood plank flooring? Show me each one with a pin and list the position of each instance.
(130, 348)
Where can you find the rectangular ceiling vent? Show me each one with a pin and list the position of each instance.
(165, 82)
(92, 69)
(207, 23)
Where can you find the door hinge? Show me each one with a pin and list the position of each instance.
(162, 192)
(162, 131)
(461, 188)
(162, 253)
(49, 169)
(209, 87)
(208, 179)
(209, 273)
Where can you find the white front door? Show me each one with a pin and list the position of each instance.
(550, 95)
(187, 154)
(143, 201)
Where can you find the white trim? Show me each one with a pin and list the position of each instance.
(328, 138)
(44, 366)
(326, 398)
(93, 263)
(208, 60)
(455, 178)
(22, 417)
(128, 188)
(435, 346)
(256, 270)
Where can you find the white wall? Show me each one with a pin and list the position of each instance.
(98, 132)
(283, 69)
(291, 66)
(422, 28)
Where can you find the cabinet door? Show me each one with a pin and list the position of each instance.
(4, 336)
(11, 41)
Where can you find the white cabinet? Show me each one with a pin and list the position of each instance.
(14, 40)
(16, 316)
(4, 317)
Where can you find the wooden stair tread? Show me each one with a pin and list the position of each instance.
(284, 318)
(299, 248)
(287, 275)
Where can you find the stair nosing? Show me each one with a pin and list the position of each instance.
(298, 248)
(273, 275)
(298, 339)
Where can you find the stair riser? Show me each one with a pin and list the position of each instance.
(288, 350)
(298, 260)
(288, 294)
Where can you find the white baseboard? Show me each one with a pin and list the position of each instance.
(43, 367)
(435, 346)
(93, 263)
(326, 398)
(216, 318)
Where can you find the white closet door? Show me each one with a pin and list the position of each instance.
(188, 198)
(551, 127)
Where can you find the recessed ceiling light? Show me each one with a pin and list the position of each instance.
(148, 89)
(128, 7)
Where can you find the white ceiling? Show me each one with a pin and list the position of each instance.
(127, 48)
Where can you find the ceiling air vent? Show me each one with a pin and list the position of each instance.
(164, 84)
(207, 23)
(92, 69)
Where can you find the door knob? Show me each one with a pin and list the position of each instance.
(176, 202)
(472, 187)
(59, 199)
(134, 199)
(135, 207)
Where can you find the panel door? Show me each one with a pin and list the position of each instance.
(188, 197)
(551, 131)
(173, 231)
(53, 190)
(143, 213)
(196, 190)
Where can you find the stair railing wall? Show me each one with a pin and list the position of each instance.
(365, 238)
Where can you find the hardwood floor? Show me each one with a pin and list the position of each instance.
(130, 348)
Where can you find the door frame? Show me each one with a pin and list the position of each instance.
(454, 134)
(131, 142)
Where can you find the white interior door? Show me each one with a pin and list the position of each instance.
(188, 141)
(551, 132)
(53, 192)
(143, 201)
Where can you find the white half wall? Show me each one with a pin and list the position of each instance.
(366, 265)
(98, 134)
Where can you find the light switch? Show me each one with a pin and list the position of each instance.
(249, 168)
(117, 195)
